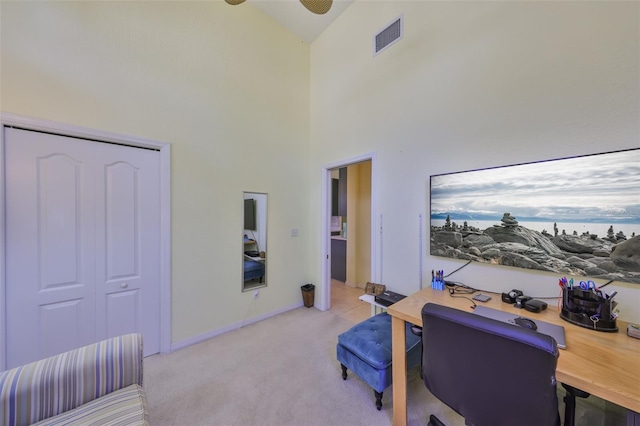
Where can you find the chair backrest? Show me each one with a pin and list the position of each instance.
(490, 372)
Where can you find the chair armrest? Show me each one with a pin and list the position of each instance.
(416, 330)
(57, 384)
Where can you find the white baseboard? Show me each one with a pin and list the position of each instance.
(235, 326)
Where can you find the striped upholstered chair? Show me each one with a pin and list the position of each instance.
(98, 384)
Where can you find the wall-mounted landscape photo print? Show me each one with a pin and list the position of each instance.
(575, 216)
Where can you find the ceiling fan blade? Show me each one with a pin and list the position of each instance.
(234, 2)
(319, 7)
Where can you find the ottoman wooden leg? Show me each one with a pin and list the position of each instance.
(344, 372)
(378, 399)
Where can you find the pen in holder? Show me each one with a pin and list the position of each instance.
(588, 309)
(437, 280)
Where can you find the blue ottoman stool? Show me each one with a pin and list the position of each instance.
(366, 350)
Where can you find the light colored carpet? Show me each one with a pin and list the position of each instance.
(283, 371)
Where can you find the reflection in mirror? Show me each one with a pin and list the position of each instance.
(254, 241)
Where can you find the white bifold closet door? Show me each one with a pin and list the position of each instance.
(82, 244)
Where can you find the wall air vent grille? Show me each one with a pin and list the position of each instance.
(388, 36)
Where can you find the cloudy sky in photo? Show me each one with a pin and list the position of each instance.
(582, 189)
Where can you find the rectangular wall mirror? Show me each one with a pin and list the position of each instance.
(254, 240)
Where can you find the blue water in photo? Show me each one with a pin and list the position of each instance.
(600, 229)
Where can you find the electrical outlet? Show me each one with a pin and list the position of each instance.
(256, 293)
(294, 232)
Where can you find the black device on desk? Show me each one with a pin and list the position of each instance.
(388, 298)
(511, 296)
(521, 300)
(534, 305)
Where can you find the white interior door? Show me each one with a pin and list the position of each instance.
(82, 252)
(127, 200)
(50, 240)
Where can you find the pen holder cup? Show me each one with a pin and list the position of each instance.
(588, 309)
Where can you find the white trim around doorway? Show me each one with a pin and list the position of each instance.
(325, 302)
(30, 123)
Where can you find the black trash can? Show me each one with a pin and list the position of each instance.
(308, 293)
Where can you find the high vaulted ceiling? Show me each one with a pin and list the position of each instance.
(297, 18)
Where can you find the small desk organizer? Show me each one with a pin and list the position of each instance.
(588, 309)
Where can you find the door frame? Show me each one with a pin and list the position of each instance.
(36, 124)
(326, 222)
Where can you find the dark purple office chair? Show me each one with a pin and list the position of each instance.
(490, 372)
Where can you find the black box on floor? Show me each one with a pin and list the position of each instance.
(388, 298)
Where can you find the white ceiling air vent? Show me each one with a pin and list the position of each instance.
(388, 36)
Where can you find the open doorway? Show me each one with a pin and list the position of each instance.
(349, 243)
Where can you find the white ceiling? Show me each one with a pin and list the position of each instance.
(293, 15)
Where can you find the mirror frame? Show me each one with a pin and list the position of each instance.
(257, 238)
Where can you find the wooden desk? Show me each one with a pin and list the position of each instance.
(604, 364)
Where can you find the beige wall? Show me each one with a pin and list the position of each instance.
(359, 224)
(247, 106)
(226, 86)
(470, 85)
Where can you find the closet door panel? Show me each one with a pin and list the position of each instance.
(128, 243)
(50, 264)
